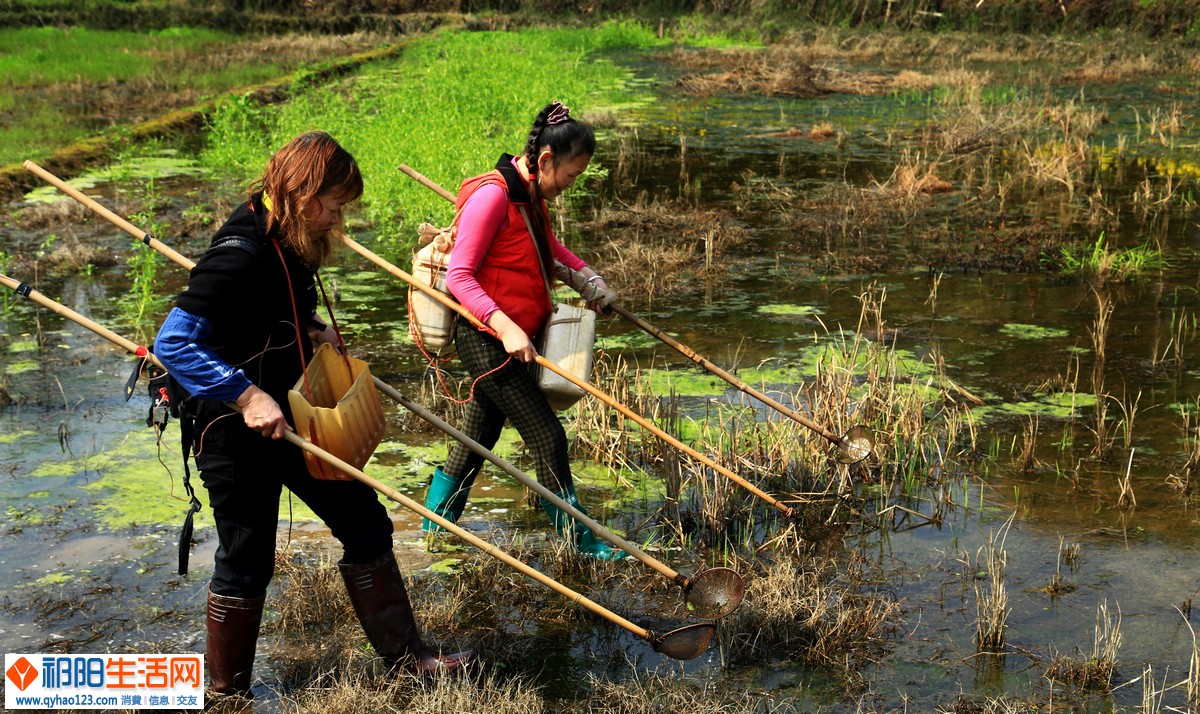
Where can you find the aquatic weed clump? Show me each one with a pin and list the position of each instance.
(847, 381)
(1096, 671)
(824, 611)
(684, 242)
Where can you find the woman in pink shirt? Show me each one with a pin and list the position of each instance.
(500, 270)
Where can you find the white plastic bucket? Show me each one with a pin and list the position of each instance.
(430, 323)
(567, 341)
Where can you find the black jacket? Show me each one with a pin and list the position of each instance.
(242, 289)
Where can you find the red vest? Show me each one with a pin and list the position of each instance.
(510, 272)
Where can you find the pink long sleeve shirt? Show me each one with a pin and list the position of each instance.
(484, 216)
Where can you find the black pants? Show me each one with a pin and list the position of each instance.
(245, 473)
(510, 393)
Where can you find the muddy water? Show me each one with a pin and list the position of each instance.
(89, 528)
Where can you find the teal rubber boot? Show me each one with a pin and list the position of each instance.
(445, 497)
(581, 536)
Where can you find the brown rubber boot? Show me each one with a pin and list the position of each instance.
(381, 603)
(232, 636)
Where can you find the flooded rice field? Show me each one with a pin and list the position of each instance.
(1035, 301)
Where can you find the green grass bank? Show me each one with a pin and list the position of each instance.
(445, 107)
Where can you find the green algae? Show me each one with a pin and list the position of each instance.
(838, 354)
(409, 466)
(23, 346)
(15, 436)
(636, 340)
(143, 168)
(789, 310)
(56, 578)
(1033, 332)
(16, 517)
(685, 382)
(447, 566)
(1059, 405)
(134, 489)
(22, 366)
(407, 477)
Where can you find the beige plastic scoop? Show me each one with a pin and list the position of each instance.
(335, 406)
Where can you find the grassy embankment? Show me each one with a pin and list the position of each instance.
(74, 95)
(446, 108)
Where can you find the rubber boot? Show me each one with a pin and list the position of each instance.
(381, 603)
(232, 635)
(581, 536)
(447, 497)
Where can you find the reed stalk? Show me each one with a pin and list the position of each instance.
(1106, 641)
(992, 603)
(1126, 499)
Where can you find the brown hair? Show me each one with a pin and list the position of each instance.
(311, 164)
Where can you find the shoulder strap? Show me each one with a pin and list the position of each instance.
(536, 249)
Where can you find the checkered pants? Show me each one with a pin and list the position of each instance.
(511, 393)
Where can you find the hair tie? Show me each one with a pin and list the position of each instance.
(559, 113)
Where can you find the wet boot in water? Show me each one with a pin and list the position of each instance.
(580, 535)
(447, 497)
(232, 624)
(381, 603)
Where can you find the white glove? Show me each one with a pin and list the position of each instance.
(593, 289)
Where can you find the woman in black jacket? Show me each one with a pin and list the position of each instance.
(241, 332)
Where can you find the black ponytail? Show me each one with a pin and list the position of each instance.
(565, 137)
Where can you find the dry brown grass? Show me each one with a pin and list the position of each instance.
(351, 693)
(601, 434)
(991, 705)
(819, 612)
(776, 71)
(654, 693)
(915, 176)
(1094, 672)
(860, 381)
(662, 246)
(1124, 56)
(779, 71)
(960, 80)
(819, 132)
(441, 392)
(1058, 585)
(794, 66)
(1119, 69)
(322, 662)
(992, 601)
(142, 97)
(789, 70)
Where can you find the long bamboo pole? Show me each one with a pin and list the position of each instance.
(602, 396)
(857, 450)
(293, 438)
(677, 578)
(597, 393)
